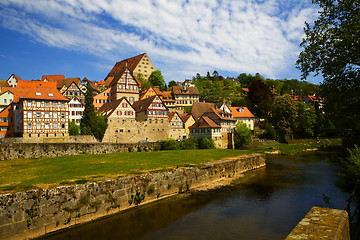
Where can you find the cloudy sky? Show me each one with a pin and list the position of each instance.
(85, 38)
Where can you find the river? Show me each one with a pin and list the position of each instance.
(266, 204)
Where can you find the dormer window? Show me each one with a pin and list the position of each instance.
(51, 95)
(241, 109)
(38, 94)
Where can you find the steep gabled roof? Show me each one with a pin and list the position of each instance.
(108, 108)
(241, 112)
(52, 78)
(16, 77)
(205, 122)
(3, 83)
(36, 93)
(67, 82)
(172, 114)
(35, 84)
(199, 108)
(185, 90)
(131, 63)
(118, 75)
(185, 116)
(144, 104)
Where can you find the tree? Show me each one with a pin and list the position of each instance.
(305, 121)
(88, 120)
(143, 82)
(206, 143)
(242, 135)
(284, 116)
(101, 125)
(172, 83)
(74, 129)
(156, 79)
(261, 98)
(332, 49)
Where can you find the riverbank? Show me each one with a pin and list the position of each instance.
(37, 212)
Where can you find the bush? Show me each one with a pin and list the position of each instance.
(169, 144)
(74, 129)
(242, 135)
(349, 174)
(206, 143)
(270, 132)
(189, 143)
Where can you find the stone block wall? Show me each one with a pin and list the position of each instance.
(36, 212)
(36, 150)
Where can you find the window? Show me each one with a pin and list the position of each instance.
(50, 94)
(29, 114)
(47, 115)
(47, 126)
(38, 114)
(118, 112)
(131, 99)
(54, 104)
(62, 115)
(38, 125)
(5, 101)
(38, 94)
(29, 125)
(29, 103)
(63, 126)
(55, 125)
(38, 103)
(46, 104)
(55, 115)
(62, 105)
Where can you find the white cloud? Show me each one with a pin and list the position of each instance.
(184, 37)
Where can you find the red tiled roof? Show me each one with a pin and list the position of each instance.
(131, 63)
(35, 84)
(16, 77)
(238, 114)
(205, 122)
(100, 83)
(142, 105)
(52, 78)
(35, 93)
(185, 91)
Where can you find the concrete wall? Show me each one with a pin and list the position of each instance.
(36, 150)
(36, 212)
(322, 223)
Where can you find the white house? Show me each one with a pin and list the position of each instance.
(243, 114)
(76, 109)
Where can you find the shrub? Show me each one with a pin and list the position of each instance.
(74, 129)
(189, 143)
(206, 143)
(169, 144)
(270, 132)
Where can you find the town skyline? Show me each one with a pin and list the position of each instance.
(85, 40)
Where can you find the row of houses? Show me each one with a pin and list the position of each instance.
(44, 108)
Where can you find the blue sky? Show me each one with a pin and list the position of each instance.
(85, 38)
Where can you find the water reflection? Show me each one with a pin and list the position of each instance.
(265, 206)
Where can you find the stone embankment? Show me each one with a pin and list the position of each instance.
(33, 213)
(35, 150)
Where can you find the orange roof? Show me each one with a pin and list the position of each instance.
(16, 77)
(35, 93)
(238, 113)
(67, 82)
(245, 89)
(52, 78)
(4, 83)
(131, 63)
(100, 83)
(35, 84)
(172, 114)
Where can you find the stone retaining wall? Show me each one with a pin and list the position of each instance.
(36, 150)
(322, 223)
(36, 212)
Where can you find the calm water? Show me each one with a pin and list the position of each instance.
(268, 205)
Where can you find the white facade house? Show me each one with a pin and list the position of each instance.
(76, 109)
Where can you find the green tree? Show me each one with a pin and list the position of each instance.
(284, 116)
(349, 174)
(332, 49)
(189, 143)
(143, 82)
(261, 98)
(242, 135)
(305, 121)
(156, 79)
(74, 129)
(101, 125)
(88, 120)
(169, 144)
(172, 83)
(206, 143)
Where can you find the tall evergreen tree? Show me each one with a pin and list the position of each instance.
(88, 120)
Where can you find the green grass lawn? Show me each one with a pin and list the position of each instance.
(23, 174)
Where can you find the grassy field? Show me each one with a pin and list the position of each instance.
(23, 174)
